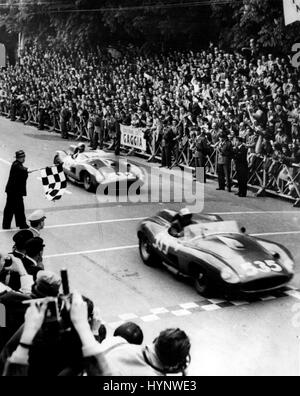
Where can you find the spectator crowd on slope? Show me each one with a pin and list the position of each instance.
(180, 99)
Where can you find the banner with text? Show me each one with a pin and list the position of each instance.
(133, 137)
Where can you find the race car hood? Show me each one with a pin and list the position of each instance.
(235, 250)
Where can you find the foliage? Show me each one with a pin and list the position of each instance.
(184, 23)
(262, 20)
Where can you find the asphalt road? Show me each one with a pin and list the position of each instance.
(97, 244)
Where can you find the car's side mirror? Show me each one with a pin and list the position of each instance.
(243, 230)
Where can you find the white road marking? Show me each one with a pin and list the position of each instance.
(119, 248)
(115, 249)
(182, 312)
(150, 318)
(259, 212)
(133, 219)
(159, 311)
(276, 233)
(96, 222)
(5, 162)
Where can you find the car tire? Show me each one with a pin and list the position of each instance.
(57, 160)
(148, 256)
(88, 182)
(203, 285)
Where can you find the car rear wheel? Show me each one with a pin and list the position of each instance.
(88, 182)
(148, 256)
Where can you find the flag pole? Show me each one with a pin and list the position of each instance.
(35, 170)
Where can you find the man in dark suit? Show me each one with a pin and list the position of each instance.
(16, 191)
(225, 154)
(241, 164)
(167, 146)
(202, 150)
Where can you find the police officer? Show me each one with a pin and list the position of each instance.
(241, 164)
(37, 222)
(16, 190)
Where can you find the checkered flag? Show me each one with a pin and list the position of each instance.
(54, 182)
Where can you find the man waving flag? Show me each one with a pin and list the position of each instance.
(54, 182)
(291, 11)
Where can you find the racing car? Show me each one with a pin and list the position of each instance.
(219, 256)
(92, 168)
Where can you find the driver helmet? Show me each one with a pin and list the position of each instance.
(184, 212)
(81, 148)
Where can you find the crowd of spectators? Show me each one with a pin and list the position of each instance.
(175, 97)
(47, 331)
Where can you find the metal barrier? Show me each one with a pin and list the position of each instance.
(268, 176)
(265, 174)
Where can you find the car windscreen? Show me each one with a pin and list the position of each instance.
(203, 230)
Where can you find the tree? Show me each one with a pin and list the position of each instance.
(262, 20)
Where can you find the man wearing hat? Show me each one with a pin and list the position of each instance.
(33, 261)
(12, 277)
(241, 165)
(16, 190)
(225, 153)
(37, 222)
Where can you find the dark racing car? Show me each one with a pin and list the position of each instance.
(92, 168)
(218, 255)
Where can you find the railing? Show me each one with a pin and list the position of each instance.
(265, 174)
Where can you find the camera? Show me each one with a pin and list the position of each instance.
(8, 262)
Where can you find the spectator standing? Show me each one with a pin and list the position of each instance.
(167, 146)
(16, 191)
(202, 149)
(65, 116)
(33, 260)
(224, 150)
(37, 222)
(241, 164)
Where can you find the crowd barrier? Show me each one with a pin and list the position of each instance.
(266, 175)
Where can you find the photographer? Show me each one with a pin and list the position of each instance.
(169, 354)
(94, 363)
(11, 299)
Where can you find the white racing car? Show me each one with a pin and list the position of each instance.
(92, 168)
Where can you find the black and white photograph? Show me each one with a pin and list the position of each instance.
(149, 190)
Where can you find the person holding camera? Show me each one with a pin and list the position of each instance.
(93, 359)
(11, 299)
(169, 354)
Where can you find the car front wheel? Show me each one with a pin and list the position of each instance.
(88, 182)
(148, 256)
(202, 285)
(57, 161)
